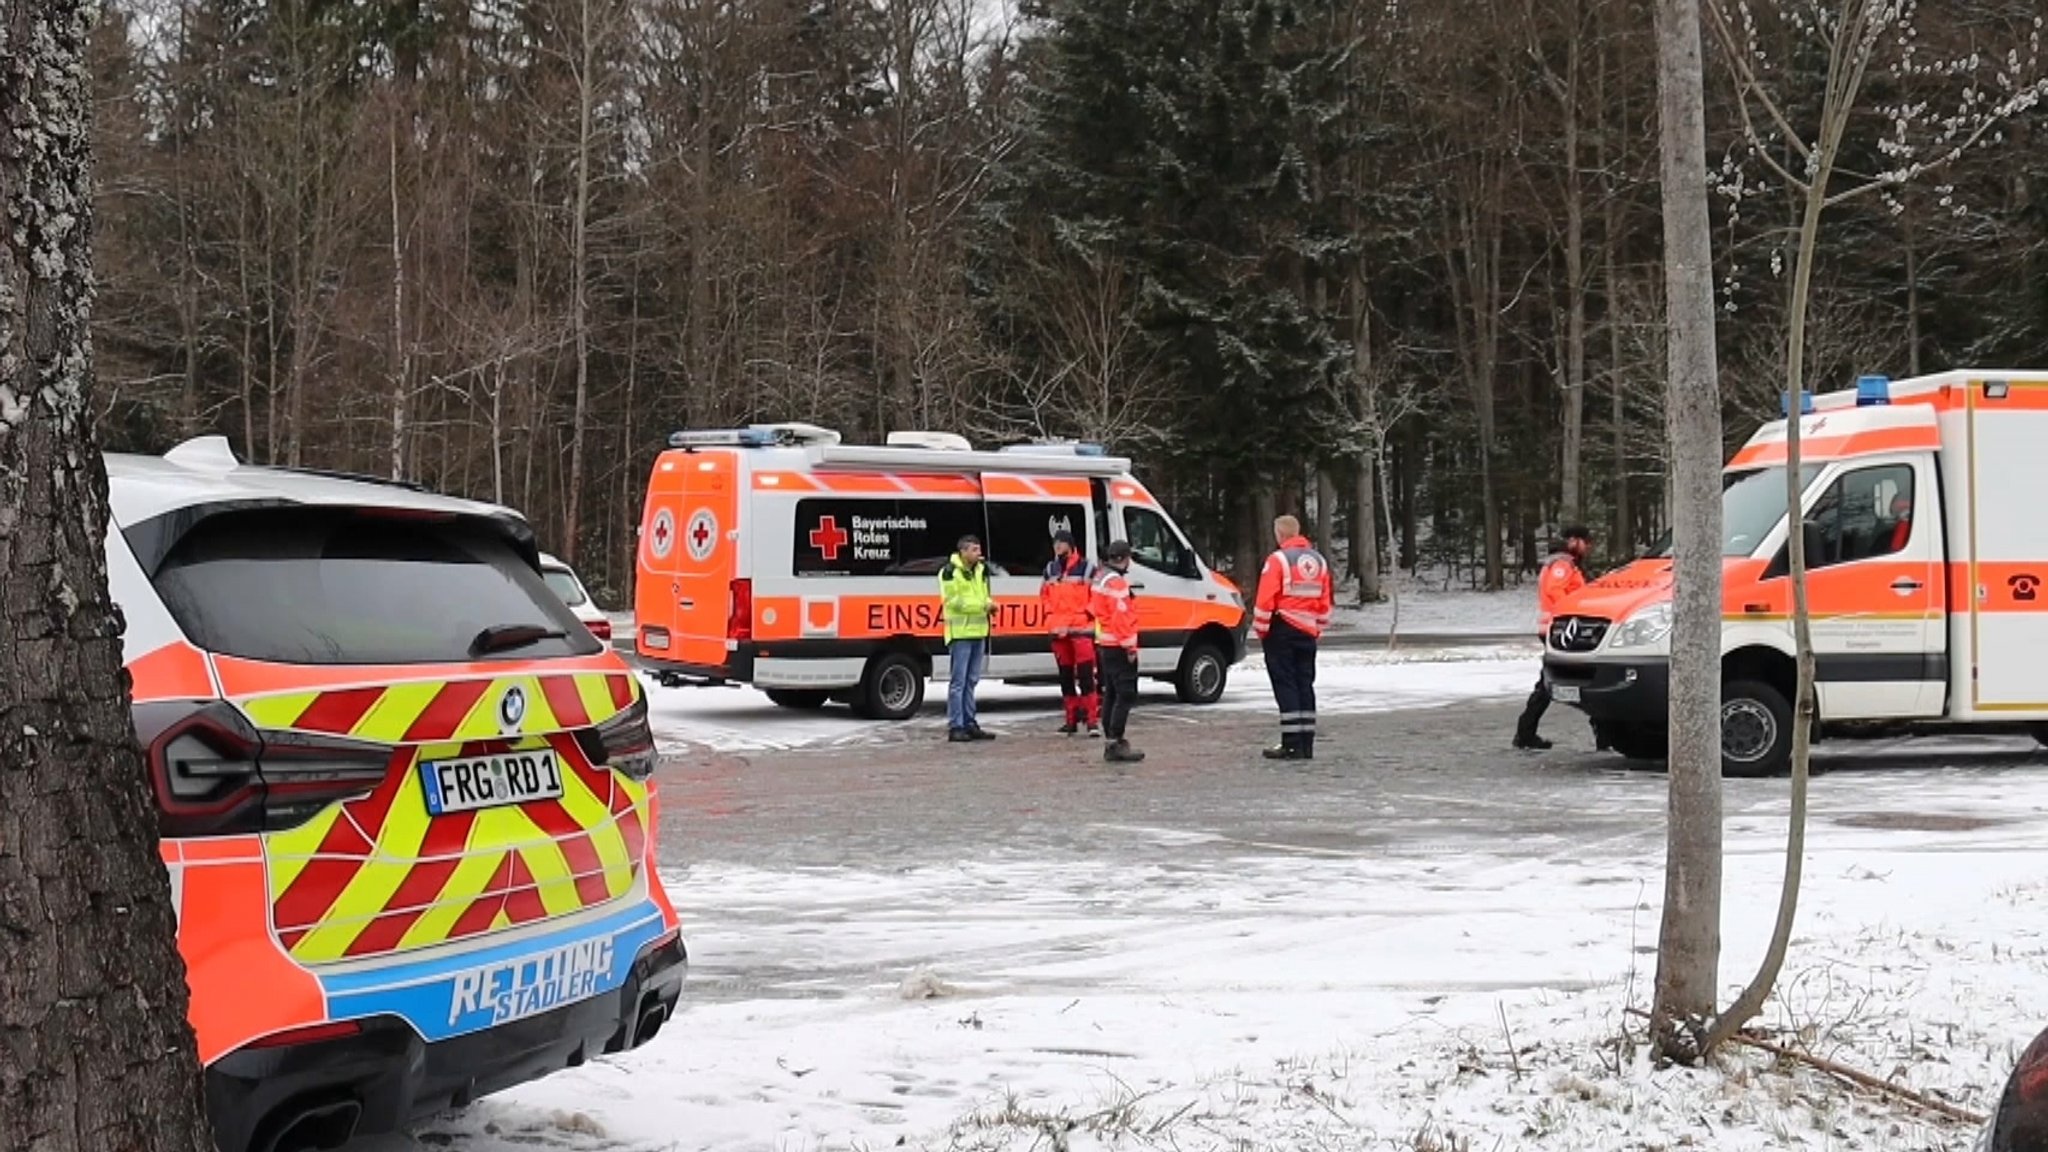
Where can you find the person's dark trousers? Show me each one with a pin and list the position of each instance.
(1119, 671)
(1291, 666)
(1532, 715)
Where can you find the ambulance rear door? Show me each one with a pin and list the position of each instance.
(690, 559)
(2003, 536)
(1023, 511)
(1167, 580)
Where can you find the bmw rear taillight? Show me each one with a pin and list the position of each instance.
(602, 629)
(304, 773)
(739, 620)
(213, 774)
(623, 743)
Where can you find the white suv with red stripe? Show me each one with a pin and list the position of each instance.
(405, 797)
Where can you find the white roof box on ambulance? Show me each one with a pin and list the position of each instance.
(779, 555)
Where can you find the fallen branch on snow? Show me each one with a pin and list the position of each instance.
(1852, 1076)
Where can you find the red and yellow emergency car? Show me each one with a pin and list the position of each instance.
(404, 796)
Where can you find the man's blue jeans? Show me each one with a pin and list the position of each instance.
(966, 659)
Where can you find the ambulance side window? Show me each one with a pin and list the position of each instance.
(1864, 515)
(1156, 545)
(1020, 533)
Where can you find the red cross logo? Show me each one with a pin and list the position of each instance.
(699, 533)
(828, 538)
(662, 536)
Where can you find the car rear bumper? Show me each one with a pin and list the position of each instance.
(737, 669)
(1633, 693)
(386, 1077)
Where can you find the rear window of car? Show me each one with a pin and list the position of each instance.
(564, 583)
(352, 586)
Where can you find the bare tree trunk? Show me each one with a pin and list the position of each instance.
(1689, 939)
(629, 547)
(1617, 379)
(586, 98)
(96, 1052)
(1912, 296)
(1570, 504)
(401, 361)
(1326, 509)
(1365, 552)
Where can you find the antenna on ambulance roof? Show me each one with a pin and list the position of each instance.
(937, 441)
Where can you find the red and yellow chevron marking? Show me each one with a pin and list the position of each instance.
(379, 875)
(417, 712)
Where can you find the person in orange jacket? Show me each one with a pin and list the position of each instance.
(1292, 610)
(1116, 649)
(1068, 587)
(1562, 576)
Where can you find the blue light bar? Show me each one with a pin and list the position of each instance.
(1873, 390)
(1805, 403)
(724, 437)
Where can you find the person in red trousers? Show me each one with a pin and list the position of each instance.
(1064, 596)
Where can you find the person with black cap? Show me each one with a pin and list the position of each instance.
(1116, 649)
(967, 603)
(1562, 576)
(1064, 596)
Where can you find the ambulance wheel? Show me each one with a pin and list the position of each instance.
(1756, 729)
(892, 688)
(1203, 674)
(805, 699)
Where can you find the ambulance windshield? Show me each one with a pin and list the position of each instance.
(1752, 503)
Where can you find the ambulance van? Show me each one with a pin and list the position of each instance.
(405, 800)
(1927, 551)
(779, 556)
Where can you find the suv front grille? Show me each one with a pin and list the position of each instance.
(1577, 633)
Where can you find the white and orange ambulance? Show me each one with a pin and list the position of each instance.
(1927, 554)
(779, 556)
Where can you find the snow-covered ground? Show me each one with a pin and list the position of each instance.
(1347, 680)
(1184, 990)
(1324, 998)
(1426, 606)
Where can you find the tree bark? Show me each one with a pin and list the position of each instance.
(1689, 939)
(401, 361)
(1571, 507)
(586, 100)
(95, 1049)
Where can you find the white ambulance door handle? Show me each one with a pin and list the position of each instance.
(1905, 584)
(686, 604)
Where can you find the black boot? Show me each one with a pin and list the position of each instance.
(1289, 748)
(1305, 746)
(1120, 752)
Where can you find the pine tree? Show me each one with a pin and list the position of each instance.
(1178, 137)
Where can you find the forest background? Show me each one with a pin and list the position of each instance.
(1387, 262)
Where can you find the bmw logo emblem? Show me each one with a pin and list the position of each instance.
(512, 709)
